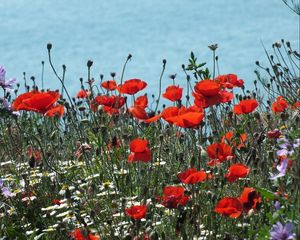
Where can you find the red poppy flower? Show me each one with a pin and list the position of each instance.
(82, 94)
(112, 103)
(192, 176)
(209, 92)
(245, 106)
(83, 234)
(280, 105)
(174, 196)
(183, 117)
(136, 212)
(218, 153)
(109, 85)
(36, 154)
(36, 101)
(237, 171)
(229, 81)
(141, 101)
(152, 119)
(230, 207)
(173, 93)
(138, 112)
(57, 110)
(56, 201)
(139, 151)
(274, 134)
(250, 199)
(227, 138)
(297, 104)
(132, 86)
(138, 109)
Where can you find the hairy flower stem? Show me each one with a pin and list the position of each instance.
(160, 79)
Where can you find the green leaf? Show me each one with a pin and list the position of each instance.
(266, 193)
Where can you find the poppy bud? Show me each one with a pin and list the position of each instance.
(257, 115)
(129, 56)
(89, 63)
(284, 116)
(32, 162)
(161, 137)
(49, 46)
(112, 74)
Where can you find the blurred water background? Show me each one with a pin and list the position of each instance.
(106, 31)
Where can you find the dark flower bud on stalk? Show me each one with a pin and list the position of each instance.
(284, 116)
(172, 76)
(257, 115)
(89, 63)
(112, 74)
(277, 45)
(49, 46)
(164, 61)
(129, 56)
(161, 137)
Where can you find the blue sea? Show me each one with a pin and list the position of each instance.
(151, 30)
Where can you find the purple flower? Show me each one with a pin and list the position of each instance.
(281, 168)
(5, 190)
(6, 84)
(287, 148)
(282, 232)
(277, 205)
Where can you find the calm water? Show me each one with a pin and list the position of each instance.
(151, 30)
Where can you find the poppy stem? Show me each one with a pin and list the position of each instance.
(160, 78)
(124, 67)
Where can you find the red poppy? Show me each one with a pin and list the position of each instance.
(227, 138)
(56, 201)
(183, 117)
(152, 119)
(36, 101)
(109, 85)
(139, 151)
(280, 105)
(274, 134)
(36, 154)
(136, 212)
(112, 103)
(138, 109)
(297, 104)
(250, 199)
(209, 92)
(229, 81)
(245, 106)
(174, 196)
(237, 171)
(192, 176)
(218, 153)
(83, 234)
(132, 86)
(230, 207)
(138, 112)
(141, 101)
(82, 94)
(173, 93)
(57, 110)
